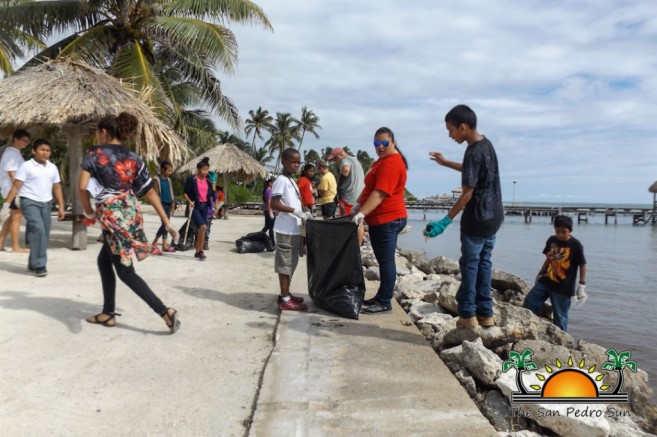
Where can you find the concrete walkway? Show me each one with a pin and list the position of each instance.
(233, 369)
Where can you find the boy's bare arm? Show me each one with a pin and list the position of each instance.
(582, 273)
(277, 205)
(440, 159)
(543, 269)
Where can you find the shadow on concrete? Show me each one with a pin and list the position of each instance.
(70, 312)
(263, 302)
(315, 321)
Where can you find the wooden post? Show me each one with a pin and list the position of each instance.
(225, 178)
(73, 135)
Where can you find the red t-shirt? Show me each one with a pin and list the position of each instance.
(389, 176)
(306, 191)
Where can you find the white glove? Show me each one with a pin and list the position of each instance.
(172, 231)
(358, 218)
(355, 209)
(303, 215)
(580, 297)
(4, 212)
(271, 214)
(91, 215)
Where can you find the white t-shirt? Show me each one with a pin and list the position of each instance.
(287, 223)
(11, 160)
(37, 180)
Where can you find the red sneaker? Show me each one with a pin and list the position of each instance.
(295, 299)
(290, 305)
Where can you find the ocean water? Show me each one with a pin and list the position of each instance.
(621, 275)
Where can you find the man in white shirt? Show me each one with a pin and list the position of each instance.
(35, 182)
(11, 160)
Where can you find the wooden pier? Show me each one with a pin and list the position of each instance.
(640, 216)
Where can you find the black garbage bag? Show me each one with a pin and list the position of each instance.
(254, 242)
(186, 236)
(335, 272)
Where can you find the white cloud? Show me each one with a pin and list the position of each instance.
(565, 90)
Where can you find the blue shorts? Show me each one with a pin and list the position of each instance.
(200, 215)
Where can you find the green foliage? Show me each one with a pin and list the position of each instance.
(238, 193)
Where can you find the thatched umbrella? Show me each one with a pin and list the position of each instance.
(74, 96)
(653, 189)
(231, 162)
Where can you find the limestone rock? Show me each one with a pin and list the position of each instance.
(402, 266)
(484, 365)
(432, 297)
(497, 410)
(544, 352)
(417, 259)
(467, 382)
(443, 265)
(447, 296)
(453, 358)
(368, 259)
(372, 274)
(505, 281)
(421, 310)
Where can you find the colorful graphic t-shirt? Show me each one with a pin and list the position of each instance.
(564, 258)
(117, 170)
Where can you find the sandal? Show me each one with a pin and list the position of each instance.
(173, 318)
(109, 322)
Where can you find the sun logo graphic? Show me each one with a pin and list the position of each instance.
(573, 384)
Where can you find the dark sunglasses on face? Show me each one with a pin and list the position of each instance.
(384, 143)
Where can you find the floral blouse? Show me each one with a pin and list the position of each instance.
(117, 169)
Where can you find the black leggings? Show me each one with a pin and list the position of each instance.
(129, 277)
(269, 225)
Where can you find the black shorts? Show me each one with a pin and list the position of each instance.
(328, 209)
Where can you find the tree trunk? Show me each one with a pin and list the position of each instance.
(73, 135)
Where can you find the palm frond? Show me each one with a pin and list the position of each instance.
(240, 11)
(41, 18)
(212, 42)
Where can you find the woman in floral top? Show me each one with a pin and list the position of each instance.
(123, 178)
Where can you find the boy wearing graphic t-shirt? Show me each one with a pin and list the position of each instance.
(557, 279)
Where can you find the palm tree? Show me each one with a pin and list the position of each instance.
(311, 156)
(258, 121)
(14, 44)
(520, 362)
(618, 361)
(225, 137)
(283, 135)
(365, 160)
(309, 122)
(127, 37)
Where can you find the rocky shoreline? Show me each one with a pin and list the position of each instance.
(426, 289)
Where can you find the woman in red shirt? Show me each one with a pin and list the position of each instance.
(306, 187)
(384, 211)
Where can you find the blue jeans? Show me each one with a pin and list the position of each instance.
(37, 215)
(384, 243)
(474, 295)
(560, 304)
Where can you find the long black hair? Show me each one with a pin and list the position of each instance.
(385, 130)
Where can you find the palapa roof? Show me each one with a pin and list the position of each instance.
(227, 158)
(653, 188)
(66, 92)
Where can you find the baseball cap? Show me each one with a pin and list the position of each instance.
(334, 153)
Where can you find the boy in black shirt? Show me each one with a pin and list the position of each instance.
(557, 279)
(483, 213)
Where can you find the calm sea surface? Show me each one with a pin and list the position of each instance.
(621, 275)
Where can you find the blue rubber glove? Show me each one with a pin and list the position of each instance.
(434, 229)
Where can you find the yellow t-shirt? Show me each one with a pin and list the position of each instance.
(328, 184)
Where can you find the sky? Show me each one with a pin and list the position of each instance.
(565, 90)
